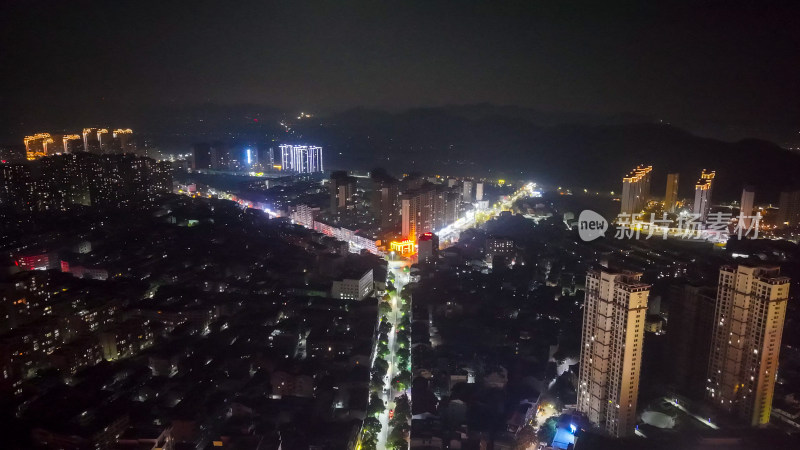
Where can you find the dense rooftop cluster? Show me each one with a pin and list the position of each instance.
(63, 181)
(193, 321)
(496, 329)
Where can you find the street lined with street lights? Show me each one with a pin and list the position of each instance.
(396, 268)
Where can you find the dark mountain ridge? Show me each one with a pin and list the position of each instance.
(576, 155)
(569, 149)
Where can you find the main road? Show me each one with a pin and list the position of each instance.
(470, 219)
(396, 267)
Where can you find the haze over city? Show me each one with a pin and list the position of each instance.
(726, 73)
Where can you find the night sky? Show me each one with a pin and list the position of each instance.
(723, 69)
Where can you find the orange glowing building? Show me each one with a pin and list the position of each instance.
(36, 146)
(72, 143)
(405, 247)
(702, 194)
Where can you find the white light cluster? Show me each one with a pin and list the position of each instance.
(301, 158)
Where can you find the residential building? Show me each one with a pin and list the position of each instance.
(614, 314)
(36, 146)
(72, 143)
(265, 157)
(428, 210)
(123, 140)
(104, 140)
(466, 191)
(636, 190)
(304, 215)
(90, 141)
(702, 195)
(428, 247)
(789, 209)
(746, 207)
(384, 201)
(353, 287)
(220, 156)
(671, 195)
(746, 341)
(342, 188)
(301, 158)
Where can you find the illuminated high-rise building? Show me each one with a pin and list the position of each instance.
(15, 185)
(122, 179)
(301, 158)
(428, 210)
(104, 140)
(746, 206)
(249, 157)
(479, 191)
(123, 140)
(342, 187)
(90, 142)
(407, 211)
(614, 314)
(702, 194)
(304, 215)
(384, 200)
(636, 190)
(38, 145)
(66, 179)
(451, 207)
(746, 341)
(72, 143)
(466, 191)
(416, 210)
(671, 195)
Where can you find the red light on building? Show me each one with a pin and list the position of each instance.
(34, 262)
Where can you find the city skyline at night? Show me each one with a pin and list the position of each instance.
(437, 225)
